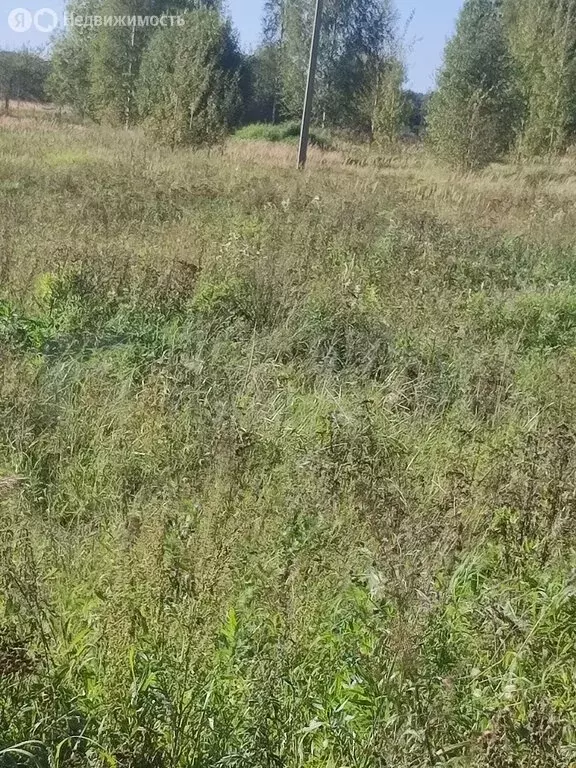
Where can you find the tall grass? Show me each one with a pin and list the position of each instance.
(286, 461)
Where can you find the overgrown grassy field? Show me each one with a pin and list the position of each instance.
(287, 460)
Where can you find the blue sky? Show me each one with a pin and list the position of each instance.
(432, 24)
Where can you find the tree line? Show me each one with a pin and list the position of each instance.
(507, 84)
(23, 76)
(190, 83)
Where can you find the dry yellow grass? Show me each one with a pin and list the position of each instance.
(536, 200)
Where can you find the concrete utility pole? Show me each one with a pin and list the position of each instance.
(306, 114)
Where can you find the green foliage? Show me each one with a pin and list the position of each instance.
(416, 105)
(543, 42)
(188, 88)
(389, 104)
(508, 80)
(23, 76)
(354, 35)
(263, 103)
(97, 70)
(115, 57)
(360, 41)
(472, 114)
(289, 132)
(69, 81)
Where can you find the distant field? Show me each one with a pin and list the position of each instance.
(287, 460)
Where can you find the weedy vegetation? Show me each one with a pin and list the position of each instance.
(287, 467)
(284, 132)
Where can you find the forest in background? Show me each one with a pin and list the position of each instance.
(507, 85)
